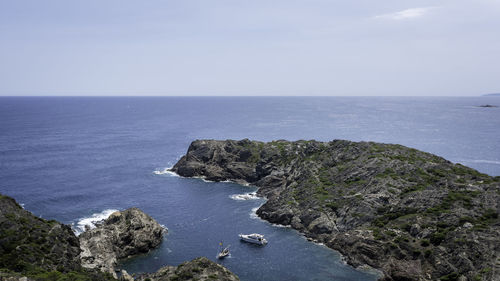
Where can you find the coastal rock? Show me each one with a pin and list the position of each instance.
(125, 276)
(121, 235)
(198, 269)
(32, 248)
(394, 208)
(467, 225)
(34, 241)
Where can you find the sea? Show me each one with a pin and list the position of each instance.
(78, 159)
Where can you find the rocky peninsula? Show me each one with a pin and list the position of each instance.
(410, 214)
(32, 248)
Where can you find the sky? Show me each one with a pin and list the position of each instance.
(250, 47)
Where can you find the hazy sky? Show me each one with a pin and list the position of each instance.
(251, 47)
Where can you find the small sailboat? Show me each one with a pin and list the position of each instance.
(224, 252)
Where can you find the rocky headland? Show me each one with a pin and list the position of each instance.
(410, 214)
(122, 235)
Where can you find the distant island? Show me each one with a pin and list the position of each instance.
(410, 214)
(492, 95)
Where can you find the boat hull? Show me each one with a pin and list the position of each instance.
(253, 241)
(221, 256)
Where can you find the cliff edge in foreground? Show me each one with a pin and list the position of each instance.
(410, 214)
(39, 249)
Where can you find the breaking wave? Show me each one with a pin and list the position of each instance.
(244, 196)
(91, 221)
(165, 171)
(253, 213)
(203, 179)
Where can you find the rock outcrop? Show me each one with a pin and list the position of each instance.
(197, 269)
(34, 248)
(410, 214)
(121, 235)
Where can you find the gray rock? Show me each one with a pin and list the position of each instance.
(121, 235)
(125, 276)
(468, 225)
(198, 269)
(391, 207)
(31, 246)
(415, 230)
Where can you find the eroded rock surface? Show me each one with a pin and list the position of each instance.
(122, 235)
(410, 214)
(197, 269)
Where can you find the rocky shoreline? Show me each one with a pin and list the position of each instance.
(410, 214)
(32, 248)
(122, 235)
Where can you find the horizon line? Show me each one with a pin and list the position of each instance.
(187, 96)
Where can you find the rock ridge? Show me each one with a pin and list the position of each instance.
(411, 214)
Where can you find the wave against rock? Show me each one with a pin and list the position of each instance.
(121, 235)
(410, 214)
(32, 248)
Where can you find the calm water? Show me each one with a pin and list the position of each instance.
(72, 158)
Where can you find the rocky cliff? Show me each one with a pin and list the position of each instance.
(37, 248)
(197, 269)
(121, 235)
(410, 214)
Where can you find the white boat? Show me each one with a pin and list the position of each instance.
(224, 252)
(254, 238)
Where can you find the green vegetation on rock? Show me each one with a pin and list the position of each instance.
(411, 214)
(37, 248)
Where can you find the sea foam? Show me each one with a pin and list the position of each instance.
(165, 171)
(244, 196)
(203, 179)
(253, 213)
(92, 220)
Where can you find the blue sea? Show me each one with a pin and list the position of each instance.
(76, 159)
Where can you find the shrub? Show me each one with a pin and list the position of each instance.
(427, 253)
(437, 238)
(424, 243)
(450, 277)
